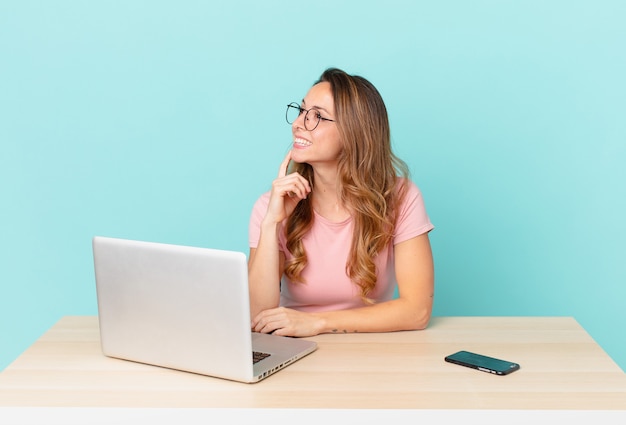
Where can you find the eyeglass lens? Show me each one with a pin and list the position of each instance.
(311, 118)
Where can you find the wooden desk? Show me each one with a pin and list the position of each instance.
(562, 368)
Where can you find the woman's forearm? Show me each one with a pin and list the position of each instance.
(264, 270)
(394, 315)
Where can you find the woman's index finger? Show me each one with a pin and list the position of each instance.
(282, 172)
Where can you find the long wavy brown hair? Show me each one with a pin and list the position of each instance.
(368, 180)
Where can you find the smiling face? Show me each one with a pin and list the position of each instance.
(322, 145)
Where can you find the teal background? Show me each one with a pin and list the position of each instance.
(163, 121)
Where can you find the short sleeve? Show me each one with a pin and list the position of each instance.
(413, 219)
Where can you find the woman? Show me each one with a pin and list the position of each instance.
(340, 227)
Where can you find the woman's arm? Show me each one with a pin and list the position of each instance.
(411, 310)
(265, 266)
(266, 262)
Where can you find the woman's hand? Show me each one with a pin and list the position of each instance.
(287, 191)
(287, 322)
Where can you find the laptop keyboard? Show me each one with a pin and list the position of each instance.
(257, 356)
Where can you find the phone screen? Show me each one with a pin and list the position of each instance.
(483, 363)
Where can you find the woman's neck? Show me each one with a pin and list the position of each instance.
(326, 199)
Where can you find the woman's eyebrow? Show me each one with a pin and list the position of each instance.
(321, 108)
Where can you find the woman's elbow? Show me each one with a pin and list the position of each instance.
(420, 319)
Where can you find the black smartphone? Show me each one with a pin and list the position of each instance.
(482, 363)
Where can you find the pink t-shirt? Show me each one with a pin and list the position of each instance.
(327, 244)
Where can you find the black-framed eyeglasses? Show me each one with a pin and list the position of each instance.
(312, 117)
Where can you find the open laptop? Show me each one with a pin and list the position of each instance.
(184, 308)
